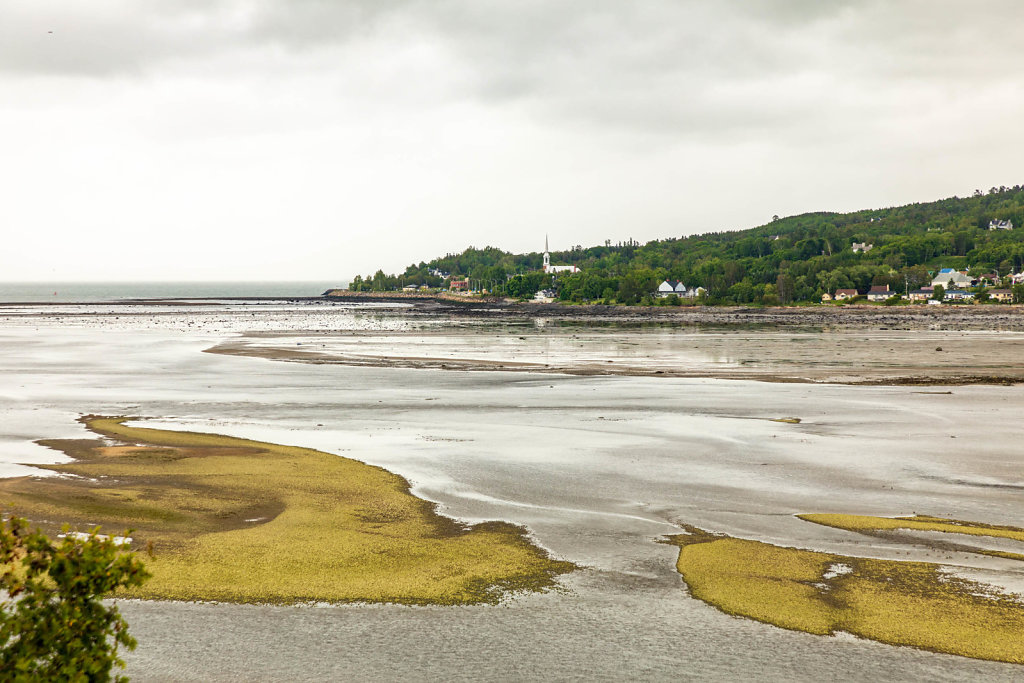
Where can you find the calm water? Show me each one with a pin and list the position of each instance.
(68, 292)
(597, 468)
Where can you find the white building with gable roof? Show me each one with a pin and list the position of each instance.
(548, 268)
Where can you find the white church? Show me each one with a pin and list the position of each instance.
(548, 268)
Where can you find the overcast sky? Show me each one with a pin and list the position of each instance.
(317, 139)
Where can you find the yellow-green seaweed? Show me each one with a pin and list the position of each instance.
(237, 520)
(880, 526)
(900, 603)
(915, 522)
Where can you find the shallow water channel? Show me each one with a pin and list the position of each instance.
(597, 467)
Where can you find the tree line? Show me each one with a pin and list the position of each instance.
(787, 260)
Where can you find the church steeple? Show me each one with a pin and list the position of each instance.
(547, 256)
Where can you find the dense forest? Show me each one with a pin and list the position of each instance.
(789, 260)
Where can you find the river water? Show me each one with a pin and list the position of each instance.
(597, 467)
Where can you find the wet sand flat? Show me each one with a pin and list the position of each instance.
(798, 355)
(597, 467)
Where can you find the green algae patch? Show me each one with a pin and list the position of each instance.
(864, 523)
(887, 526)
(237, 520)
(915, 604)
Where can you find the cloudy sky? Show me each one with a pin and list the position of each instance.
(316, 139)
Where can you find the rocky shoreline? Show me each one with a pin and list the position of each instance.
(965, 317)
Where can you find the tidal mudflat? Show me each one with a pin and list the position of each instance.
(598, 468)
(237, 520)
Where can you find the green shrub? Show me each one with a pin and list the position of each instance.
(53, 623)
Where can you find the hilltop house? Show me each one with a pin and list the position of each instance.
(1000, 225)
(952, 279)
(862, 247)
(880, 293)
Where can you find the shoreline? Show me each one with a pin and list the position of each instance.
(433, 303)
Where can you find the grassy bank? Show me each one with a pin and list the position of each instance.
(900, 603)
(245, 521)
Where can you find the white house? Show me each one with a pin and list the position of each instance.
(1000, 225)
(548, 268)
(679, 289)
(880, 293)
(959, 279)
(862, 247)
(844, 294)
(667, 287)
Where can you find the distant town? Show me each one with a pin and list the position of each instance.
(960, 250)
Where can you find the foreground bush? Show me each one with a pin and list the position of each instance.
(53, 623)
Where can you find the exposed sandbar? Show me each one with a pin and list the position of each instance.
(886, 357)
(917, 604)
(236, 520)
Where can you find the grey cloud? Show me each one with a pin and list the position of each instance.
(678, 66)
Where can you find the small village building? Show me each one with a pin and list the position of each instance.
(862, 247)
(920, 295)
(1003, 296)
(544, 296)
(679, 289)
(952, 279)
(826, 297)
(459, 285)
(958, 295)
(548, 268)
(667, 287)
(880, 293)
(1000, 225)
(844, 294)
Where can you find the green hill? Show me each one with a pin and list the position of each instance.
(794, 259)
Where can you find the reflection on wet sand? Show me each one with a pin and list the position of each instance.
(596, 467)
(864, 357)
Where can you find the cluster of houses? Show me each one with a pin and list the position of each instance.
(956, 285)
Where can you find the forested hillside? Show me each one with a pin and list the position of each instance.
(788, 260)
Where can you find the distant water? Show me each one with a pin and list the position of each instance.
(68, 292)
